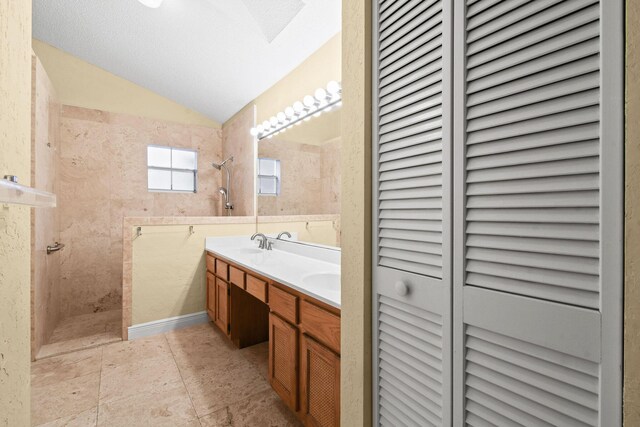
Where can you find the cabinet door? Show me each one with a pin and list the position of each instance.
(320, 384)
(538, 212)
(412, 149)
(211, 296)
(222, 305)
(283, 360)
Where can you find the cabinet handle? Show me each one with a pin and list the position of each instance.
(401, 288)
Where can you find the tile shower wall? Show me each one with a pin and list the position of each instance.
(310, 178)
(238, 142)
(45, 269)
(102, 179)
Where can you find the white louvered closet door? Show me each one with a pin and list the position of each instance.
(538, 212)
(412, 212)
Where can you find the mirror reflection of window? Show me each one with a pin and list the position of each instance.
(268, 177)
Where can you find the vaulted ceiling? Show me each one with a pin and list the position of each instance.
(213, 56)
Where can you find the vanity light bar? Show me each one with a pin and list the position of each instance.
(311, 106)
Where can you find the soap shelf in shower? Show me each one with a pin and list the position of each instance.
(14, 193)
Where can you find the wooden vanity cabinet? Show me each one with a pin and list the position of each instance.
(283, 360)
(319, 384)
(303, 334)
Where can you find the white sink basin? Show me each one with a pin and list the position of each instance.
(250, 251)
(328, 281)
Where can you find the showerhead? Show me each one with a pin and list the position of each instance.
(223, 191)
(220, 165)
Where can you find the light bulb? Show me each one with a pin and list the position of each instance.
(333, 87)
(281, 117)
(298, 107)
(289, 112)
(266, 125)
(321, 94)
(260, 128)
(309, 101)
(274, 121)
(253, 131)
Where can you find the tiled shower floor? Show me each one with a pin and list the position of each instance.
(83, 332)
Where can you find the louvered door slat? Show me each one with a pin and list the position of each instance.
(535, 138)
(555, 75)
(485, 66)
(520, 13)
(414, 19)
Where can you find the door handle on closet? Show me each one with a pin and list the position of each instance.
(402, 288)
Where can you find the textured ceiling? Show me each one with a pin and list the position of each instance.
(213, 56)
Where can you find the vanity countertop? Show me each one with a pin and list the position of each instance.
(312, 270)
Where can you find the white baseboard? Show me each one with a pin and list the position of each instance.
(165, 325)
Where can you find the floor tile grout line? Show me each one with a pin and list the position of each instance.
(193, 406)
(99, 385)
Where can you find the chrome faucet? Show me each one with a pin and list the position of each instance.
(284, 233)
(264, 242)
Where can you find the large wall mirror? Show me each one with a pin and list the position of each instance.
(298, 174)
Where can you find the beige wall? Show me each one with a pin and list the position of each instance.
(15, 247)
(632, 220)
(84, 85)
(169, 269)
(103, 178)
(356, 214)
(45, 269)
(238, 142)
(310, 178)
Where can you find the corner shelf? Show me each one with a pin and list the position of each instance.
(14, 193)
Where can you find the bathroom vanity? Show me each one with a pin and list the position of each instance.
(289, 296)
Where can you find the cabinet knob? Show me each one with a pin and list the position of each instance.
(402, 288)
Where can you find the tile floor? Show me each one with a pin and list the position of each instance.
(82, 332)
(189, 377)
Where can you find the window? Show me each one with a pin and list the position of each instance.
(268, 177)
(172, 169)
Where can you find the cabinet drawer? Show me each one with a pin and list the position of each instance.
(257, 288)
(236, 276)
(222, 269)
(283, 303)
(211, 263)
(320, 324)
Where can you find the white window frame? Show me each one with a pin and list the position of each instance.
(172, 169)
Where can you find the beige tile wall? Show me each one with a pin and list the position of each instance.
(102, 179)
(310, 178)
(45, 269)
(238, 142)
